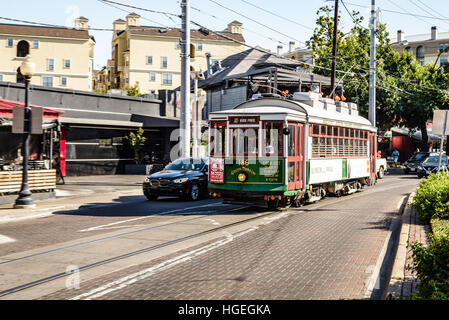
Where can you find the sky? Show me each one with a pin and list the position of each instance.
(293, 20)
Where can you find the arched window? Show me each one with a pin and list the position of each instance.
(23, 48)
(408, 49)
(420, 52)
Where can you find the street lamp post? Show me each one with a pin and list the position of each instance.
(24, 200)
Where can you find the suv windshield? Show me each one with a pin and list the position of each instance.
(418, 157)
(434, 161)
(185, 165)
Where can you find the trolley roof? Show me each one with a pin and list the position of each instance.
(296, 109)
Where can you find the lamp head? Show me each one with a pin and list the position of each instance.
(28, 67)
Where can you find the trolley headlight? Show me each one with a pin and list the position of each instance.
(180, 180)
(242, 177)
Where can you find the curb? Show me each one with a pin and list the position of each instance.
(377, 284)
(397, 277)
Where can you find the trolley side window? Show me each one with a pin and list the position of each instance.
(332, 141)
(291, 141)
(272, 138)
(217, 138)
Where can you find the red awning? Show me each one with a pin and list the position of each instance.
(6, 107)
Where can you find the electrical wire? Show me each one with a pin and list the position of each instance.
(276, 15)
(255, 21)
(422, 9)
(243, 28)
(352, 17)
(152, 21)
(221, 35)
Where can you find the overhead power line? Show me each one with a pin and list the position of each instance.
(121, 9)
(243, 28)
(255, 21)
(352, 74)
(276, 15)
(406, 13)
(352, 17)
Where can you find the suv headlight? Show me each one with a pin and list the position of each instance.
(180, 180)
(147, 180)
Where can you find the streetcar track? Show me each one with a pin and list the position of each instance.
(167, 243)
(109, 237)
(132, 253)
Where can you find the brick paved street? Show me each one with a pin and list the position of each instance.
(324, 251)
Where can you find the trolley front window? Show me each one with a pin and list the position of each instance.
(244, 141)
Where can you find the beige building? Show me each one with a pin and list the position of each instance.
(104, 78)
(63, 56)
(303, 54)
(151, 56)
(427, 48)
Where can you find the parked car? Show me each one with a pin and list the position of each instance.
(381, 166)
(185, 177)
(430, 165)
(416, 159)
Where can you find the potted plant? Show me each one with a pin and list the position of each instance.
(136, 141)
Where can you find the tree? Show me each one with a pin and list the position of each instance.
(134, 91)
(136, 141)
(406, 92)
(353, 49)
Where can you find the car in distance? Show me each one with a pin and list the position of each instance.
(412, 164)
(185, 177)
(381, 167)
(430, 165)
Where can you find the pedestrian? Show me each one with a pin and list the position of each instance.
(395, 155)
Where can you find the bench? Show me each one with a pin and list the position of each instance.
(11, 181)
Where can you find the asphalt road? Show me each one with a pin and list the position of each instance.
(172, 249)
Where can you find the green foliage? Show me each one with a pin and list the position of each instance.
(440, 227)
(432, 267)
(134, 91)
(402, 94)
(136, 141)
(432, 264)
(432, 197)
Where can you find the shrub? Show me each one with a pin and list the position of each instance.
(440, 227)
(432, 197)
(432, 267)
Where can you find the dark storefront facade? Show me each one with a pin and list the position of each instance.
(93, 128)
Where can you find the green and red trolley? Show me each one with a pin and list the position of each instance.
(277, 152)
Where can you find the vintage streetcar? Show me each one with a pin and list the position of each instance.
(276, 152)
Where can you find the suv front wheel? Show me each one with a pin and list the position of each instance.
(193, 192)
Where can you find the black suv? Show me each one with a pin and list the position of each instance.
(412, 164)
(430, 165)
(185, 177)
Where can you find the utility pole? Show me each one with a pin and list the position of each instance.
(372, 66)
(184, 123)
(334, 50)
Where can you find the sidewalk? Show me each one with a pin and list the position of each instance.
(403, 281)
(79, 192)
